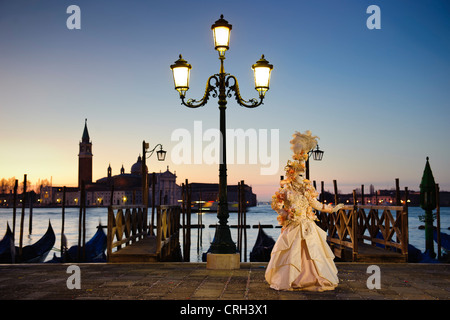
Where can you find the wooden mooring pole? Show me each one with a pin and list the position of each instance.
(241, 224)
(16, 183)
(322, 194)
(362, 195)
(63, 242)
(354, 235)
(186, 210)
(30, 220)
(189, 214)
(84, 229)
(183, 215)
(13, 247)
(111, 200)
(80, 220)
(153, 203)
(244, 208)
(398, 202)
(438, 222)
(22, 217)
(199, 223)
(336, 194)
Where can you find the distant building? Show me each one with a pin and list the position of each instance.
(209, 192)
(379, 197)
(85, 158)
(50, 195)
(127, 187)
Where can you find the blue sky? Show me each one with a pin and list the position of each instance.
(378, 99)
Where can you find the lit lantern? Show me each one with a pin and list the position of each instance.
(181, 70)
(262, 70)
(221, 32)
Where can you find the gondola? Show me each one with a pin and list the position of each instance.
(94, 249)
(445, 239)
(7, 250)
(263, 247)
(38, 251)
(414, 254)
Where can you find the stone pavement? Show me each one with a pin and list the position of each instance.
(192, 281)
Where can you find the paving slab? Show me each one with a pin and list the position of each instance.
(194, 281)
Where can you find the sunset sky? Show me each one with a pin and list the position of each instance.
(377, 98)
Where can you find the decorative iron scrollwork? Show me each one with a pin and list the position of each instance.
(252, 103)
(192, 103)
(222, 81)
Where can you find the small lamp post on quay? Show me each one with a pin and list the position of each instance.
(161, 155)
(222, 85)
(317, 155)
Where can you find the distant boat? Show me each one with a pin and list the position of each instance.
(212, 206)
(38, 251)
(94, 249)
(263, 247)
(7, 250)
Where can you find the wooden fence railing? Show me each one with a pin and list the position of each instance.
(354, 226)
(127, 224)
(168, 231)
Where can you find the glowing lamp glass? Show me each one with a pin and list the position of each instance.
(181, 72)
(262, 70)
(221, 32)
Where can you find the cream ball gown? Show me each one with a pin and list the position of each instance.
(301, 258)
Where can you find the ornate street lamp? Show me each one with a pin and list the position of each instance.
(161, 154)
(222, 85)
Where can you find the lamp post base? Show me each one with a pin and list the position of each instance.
(221, 261)
(222, 242)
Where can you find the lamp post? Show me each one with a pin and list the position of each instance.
(161, 155)
(222, 85)
(317, 155)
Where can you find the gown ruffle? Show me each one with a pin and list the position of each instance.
(302, 260)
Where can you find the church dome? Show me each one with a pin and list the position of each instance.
(127, 181)
(137, 167)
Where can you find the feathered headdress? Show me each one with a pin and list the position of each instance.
(302, 143)
(287, 201)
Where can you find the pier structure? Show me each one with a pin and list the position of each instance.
(130, 238)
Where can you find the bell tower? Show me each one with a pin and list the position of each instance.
(85, 158)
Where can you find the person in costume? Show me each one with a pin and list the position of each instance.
(301, 258)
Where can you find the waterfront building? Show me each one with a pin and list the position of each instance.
(208, 195)
(122, 189)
